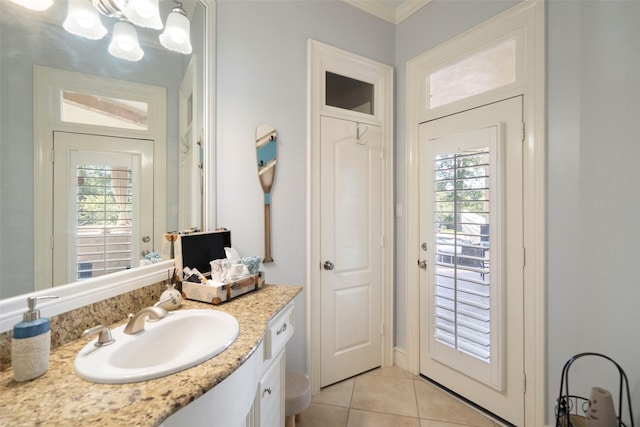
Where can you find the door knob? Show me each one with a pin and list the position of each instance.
(145, 253)
(328, 265)
(146, 239)
(422, 264)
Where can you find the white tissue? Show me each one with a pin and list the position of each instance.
(232, 255)
(220, 270)
(230, 269)
(237, 271)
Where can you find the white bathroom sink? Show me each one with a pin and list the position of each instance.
(179, 341)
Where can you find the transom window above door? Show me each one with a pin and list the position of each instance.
(488, 69)
(90, 109)
(349, 94)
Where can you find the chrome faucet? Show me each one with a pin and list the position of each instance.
(136, 321)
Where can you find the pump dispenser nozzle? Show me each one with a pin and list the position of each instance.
(34, 314)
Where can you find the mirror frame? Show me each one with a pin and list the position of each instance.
(89, 291)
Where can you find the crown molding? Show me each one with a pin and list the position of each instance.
(384, 10)
(408, 8)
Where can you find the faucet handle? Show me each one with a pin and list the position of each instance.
(104, 338)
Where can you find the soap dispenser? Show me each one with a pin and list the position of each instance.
(31, 343)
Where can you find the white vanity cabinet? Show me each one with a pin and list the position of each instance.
(253, 395)
(268, 408)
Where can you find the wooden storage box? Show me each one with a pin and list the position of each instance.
(219, 294)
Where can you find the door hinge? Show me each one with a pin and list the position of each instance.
(51, 241)
(524, 257)
(524, 382)
(523, 131)
(382, 329)
(53, 155)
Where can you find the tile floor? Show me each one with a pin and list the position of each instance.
(389, 397)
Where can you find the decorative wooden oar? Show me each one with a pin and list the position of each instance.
(266, 138)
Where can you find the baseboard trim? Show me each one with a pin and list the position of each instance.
(400, 358)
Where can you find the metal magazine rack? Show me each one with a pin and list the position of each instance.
(571, 409)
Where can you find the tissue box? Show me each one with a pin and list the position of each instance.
(226, 291)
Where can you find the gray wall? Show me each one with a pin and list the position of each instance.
(593, 52)
(262, 78)
(593, 150)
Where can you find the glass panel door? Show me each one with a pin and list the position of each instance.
(471, 281)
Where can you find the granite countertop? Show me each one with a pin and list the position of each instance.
(61, 398)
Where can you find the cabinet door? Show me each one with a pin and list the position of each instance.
(270, 398)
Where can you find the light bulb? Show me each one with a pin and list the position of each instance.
(177, 36)
(124, 42)
(83, 20)
(144, 13)
(177, 32)
(37, 5)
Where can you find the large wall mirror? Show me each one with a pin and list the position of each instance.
(31, 40)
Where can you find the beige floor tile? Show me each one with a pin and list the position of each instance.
(380, 393)
(338, 394)
(323, 416)
(359, 418)
(436, 405)
(431, 423)
(392, 371)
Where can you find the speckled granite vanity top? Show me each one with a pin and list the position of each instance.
(60, 398)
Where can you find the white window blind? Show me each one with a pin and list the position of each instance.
(103, 219)
(462, 263)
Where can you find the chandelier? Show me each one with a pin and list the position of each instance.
(83, 19)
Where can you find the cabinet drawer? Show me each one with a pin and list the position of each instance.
(278, 332)
(271, 395)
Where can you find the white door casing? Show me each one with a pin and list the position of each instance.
(525, 21)
(351, 282)
(479, 303)
(322, 59)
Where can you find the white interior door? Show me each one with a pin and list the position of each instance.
(471, 282)
(103, 216)
(351, 248)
